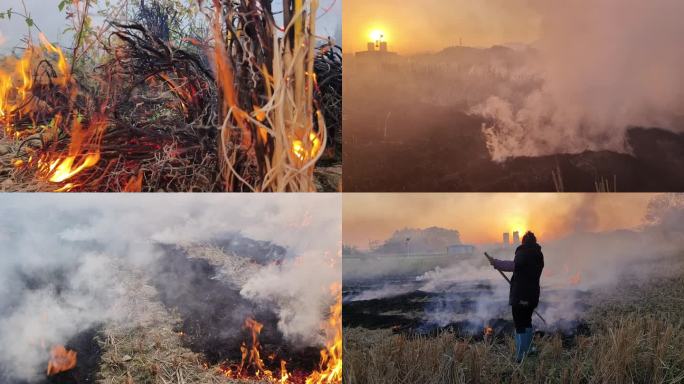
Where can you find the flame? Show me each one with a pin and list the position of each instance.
(488, 331)
(62, 64)
(61, 360)
(83, 151)
(306, 149)
(330, 367)
(135, 185)
(575, 279)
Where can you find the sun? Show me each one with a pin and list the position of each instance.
(377, 35)
(517, 224)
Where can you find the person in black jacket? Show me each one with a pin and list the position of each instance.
(524, 295)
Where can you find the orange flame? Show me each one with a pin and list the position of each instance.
(83, 152)
(61, 360)
(134, 183)
(306, 149)
(575, 279)
(330, 367)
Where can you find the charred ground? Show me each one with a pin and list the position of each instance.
(407, 144)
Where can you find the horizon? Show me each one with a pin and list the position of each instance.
(376, 217)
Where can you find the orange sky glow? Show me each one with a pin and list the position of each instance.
(431, 25)
(483, 217)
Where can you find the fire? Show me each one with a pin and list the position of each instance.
(575, 279)
(306, 149)
(488, 331)
(83, 152)
(61, 360)
(330, 365)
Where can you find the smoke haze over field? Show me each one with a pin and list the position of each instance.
(606, 65)
(580, 261)
(67, 260)
(570, 77)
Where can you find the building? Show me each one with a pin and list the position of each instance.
(377, 49)
(506, 239)
(516, 238)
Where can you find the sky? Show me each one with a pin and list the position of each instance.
(46, 15)
(483, 217)
(431, 25)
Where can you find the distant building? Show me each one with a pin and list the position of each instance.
(460, 249)
(506, 239)
(378, 49)
(516, 238)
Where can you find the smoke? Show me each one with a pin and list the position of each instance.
(67, 260)
(606, 65)
(580, 266)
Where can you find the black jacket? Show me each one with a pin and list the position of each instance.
(529, 262)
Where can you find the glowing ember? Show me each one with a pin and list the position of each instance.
(306, 149)
(61, 360)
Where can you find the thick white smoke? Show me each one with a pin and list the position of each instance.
(606, 65)
(66, 260)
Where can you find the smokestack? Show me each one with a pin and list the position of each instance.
(516, 238)
(506, 239)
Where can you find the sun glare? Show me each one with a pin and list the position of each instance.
(377, 35)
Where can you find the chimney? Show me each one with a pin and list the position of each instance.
(516, 238)
(506, 239)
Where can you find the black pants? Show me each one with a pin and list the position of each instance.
(522, 317)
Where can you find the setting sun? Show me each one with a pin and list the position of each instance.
(377, 35)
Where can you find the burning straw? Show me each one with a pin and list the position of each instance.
(242, 111)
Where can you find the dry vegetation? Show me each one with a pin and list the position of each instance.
(636, 337)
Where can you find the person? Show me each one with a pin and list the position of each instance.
(527, 267)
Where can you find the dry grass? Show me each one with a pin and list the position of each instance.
(146, 346)
(632, 341)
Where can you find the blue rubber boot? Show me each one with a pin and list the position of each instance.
(519, 351)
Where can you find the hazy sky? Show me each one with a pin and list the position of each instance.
(482, 218)
(431, 25)
(52, 23)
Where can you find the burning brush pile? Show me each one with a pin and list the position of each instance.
(253, 104)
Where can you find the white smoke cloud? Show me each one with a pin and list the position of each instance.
(606, 65)
(65, 260)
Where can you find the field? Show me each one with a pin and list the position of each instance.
(409, 127)
(633, 334)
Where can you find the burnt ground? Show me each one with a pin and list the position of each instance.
(439, 149)
(406, 313)
(213, 312)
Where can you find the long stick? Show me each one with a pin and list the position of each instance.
(509, 282)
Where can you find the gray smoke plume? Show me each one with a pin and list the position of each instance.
(605, 65)
(66, 261)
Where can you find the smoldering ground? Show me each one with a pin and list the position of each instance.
(597, 95)
(69, 262)
(580, 268)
